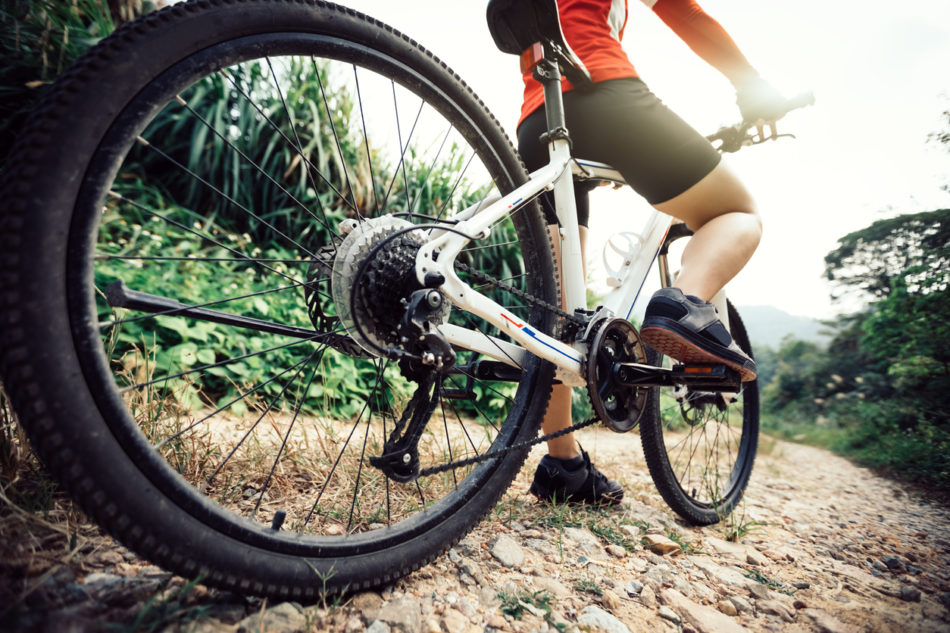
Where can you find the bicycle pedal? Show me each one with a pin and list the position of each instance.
(706, 376)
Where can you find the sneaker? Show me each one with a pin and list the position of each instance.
(574, 481)
(688, 329)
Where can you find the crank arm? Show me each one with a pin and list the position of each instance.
(120, 296)
(701, 377)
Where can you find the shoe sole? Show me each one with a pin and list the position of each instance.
(671, 339)
(607, 500)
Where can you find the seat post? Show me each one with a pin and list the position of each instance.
(549, 75)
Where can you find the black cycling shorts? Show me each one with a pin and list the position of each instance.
(621, 123)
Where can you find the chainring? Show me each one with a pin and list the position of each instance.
(618, 406)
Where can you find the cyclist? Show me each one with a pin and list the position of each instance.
(620, 122)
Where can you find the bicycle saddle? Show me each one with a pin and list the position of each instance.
(516, 25)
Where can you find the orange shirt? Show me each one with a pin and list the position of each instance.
(594, 30)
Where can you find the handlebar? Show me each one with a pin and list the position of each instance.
(734, 137)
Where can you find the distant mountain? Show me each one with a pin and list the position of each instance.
(767, 326)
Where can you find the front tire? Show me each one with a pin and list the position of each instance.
(700, 446)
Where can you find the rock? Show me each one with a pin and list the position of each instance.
(893, 563)
(659, 544)
(725, 575)
(507, 552)
(553, 586)
(616, 551)
(353, 625)
(726, 548)
(910, 594)
(611, 600)
(455, 622)
(488, 598)
(600, 620)
(587, 542)
(378, 627)
(283, 618)
(633, 588)
(703, 619)
(727, 607)
(741, 604)
(759, 591)
(401, 615)
(775, 608)
(648, 597)
(754, 557)
(826, 623)
(668, 614)
(704, 592)
(368, 604)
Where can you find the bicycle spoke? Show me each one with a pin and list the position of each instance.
(228, 404)
(290, 429)
(369, 154)
(221, 193)
(247, 434)
(359, 471)
(207, 238)
(401, 167)
(277, 129)
(432, 165)
(339, 457)
(222, 363)
(336, 138)
(257, 167)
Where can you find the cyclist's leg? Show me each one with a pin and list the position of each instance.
(558, 415)
(726, 228)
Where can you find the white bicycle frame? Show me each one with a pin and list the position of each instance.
(476, 221)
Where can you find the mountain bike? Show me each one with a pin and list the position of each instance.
(280, 308)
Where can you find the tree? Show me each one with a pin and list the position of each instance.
(914, 248)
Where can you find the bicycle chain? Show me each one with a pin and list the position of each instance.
(501, 452)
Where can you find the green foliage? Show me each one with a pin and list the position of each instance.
(913, 247)
(880, 391)
(39, 39)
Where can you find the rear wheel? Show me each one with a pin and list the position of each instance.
(180, 354)
(700, 445)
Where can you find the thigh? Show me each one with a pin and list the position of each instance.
(622, 123)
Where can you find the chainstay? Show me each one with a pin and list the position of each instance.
(501, 452)
(487, 279)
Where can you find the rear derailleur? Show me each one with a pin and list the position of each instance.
(427, 357)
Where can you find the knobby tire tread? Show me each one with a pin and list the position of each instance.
(20, 377)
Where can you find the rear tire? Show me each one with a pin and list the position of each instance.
(101, 404)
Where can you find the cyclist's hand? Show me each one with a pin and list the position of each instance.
(759, 101)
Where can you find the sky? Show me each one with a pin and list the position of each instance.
(880, 72)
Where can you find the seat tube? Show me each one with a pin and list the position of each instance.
(559, 148)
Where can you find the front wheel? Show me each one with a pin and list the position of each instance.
(173, 337)
(700, 445)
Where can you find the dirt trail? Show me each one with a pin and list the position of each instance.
(825, 547)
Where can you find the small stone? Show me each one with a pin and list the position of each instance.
(454, 622)
(668, 614)
(599, 620)
(759, 591)
(633, 588)
(910, 594)
(611, 600)
(648, 597)
(775, 608)
(893, 563)
(551, 585)
(659, 544)
(378, 626)
(727, 607)
(754, 557)
(701, 617)
(284, 617)
(402, 615)
(507, 552)
(801, 585)
(616, 551)
(353, 625)
(742, 605)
